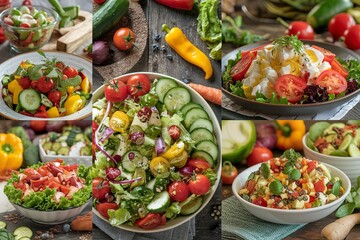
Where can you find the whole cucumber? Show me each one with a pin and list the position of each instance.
(108, 15)
(321, 14)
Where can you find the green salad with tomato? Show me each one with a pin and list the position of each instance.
(155, 152)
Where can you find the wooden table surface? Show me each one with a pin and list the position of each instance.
(206, 227)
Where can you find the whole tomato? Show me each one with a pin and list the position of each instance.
(178, 191)
(339, 24)
(116, 91)
(124, 39)
(70, 72)
(2, 36)
(301, 29)
(44, 84)
(228, 173)
(24, 82)
(200, 185)
(352, 37)
(54, 96)
(100, 188)
(138, 85)
(38, 126)
(259, 155)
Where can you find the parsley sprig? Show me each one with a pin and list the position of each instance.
(287, 41)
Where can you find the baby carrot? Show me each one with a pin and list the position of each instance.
(211, 94)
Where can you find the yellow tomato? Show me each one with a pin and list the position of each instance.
(53, 112)
(159, 166)
(85, 85)
(174, 150)
(119, 121)
(180, 160)
(73, 104)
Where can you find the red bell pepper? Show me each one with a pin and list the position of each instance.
(178, 4)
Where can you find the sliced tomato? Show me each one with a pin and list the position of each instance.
(250, 185)
(319, 186)
(150, 221)
(238, 71)
(333, 81)
(104, 207)
(290, 87)
(260, 201)
(328, 56)
(312, 199)
(254, 50)
(311, 166)
(336, 66)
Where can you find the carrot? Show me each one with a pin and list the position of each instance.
(82, 223)
(211, 94)
(339, 229)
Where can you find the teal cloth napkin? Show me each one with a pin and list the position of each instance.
(238, 223)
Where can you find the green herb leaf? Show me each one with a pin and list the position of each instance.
(345, 210)
(42, 54)
(35, 72)
(291, 156)
(265, 170)
(276, 187)
(237, 89)
(295, 174)
(289, 41)
(71, 82)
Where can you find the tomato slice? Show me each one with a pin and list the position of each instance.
(336, 66)
(311, 166)
(104, 207)
(150, 221)
(290, 87)
(333, 81)
(250, 185)
(238, 71)
(260, 201)
(319, 186)
(328, 56)
(254, 50)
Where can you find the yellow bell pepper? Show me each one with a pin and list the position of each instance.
(73, 104)
(174, 150)
(85, 85)
(181, 44)
(119, 121)
(53, 112)
(70, 90)
(289, 134)
(11, 152)
(13, 85)
(17, 91)
(159, 166)
(25, 65)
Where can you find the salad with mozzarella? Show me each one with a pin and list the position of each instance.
(288, 71)
(291, 182)
(155, 152)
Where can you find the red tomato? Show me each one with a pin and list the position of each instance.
(150, 221)
(319, 186)
(174, 132)
(290, 87)
(311, 166)
(339, 24)
(24, 82)
(229, 173)
(38, 125)
(163, 219)
(60, 65)
(260, 201)
(2, 36)
(99, 1)
(328, 56)
(25, 25)
(336, 66)
(138, 85)
(116, 91)
(104, 207)
(41, 114)
(54, 96)
(259, 155)
(332, 81)
(26, 113)
(44, 84)
(200, 185)
(124, 39)
(200, 165)
(70, 72)
(100, 188)
(239, 70)
(250, 185)
(33, 84)
(178, 191)
(301, 29)
(254, 50)
(352, 37)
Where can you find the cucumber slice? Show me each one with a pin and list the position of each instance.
(29, 99)
(176, 98)
(192, 206)
(346, 142)
(203, 155)
(23, 232)
(209, 147)
(151, 184)
(163, 86)
(22, 238)
(202, 123)
(129, 160)
(353, 150)
(56, 146)
(159, 203)
(189, 106)
(201, 134)
(47, 146)
(2, 224)
(192, 115)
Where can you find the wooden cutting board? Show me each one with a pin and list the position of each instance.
(70, 38)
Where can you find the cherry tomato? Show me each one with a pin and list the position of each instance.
(239, 70)
(99, 1)
(24, 82)
(174, 132)
(60, 65)
(54, 96)
(25, 25)
(332, 81)
(116, 91)
(38, 126)
(328, 56)
(150, 221)
(339, 24)
(319, 186)
(124, 38)
(70, 72)
(200, 165)
(104, 207)
(301, 29)
(200, 185)
(42, 114)
(178, 191)
(228, 173)
(33, 84)
(2, 36)
(260, 201)
(290, 87)
(259, 155)
(352, 37)
(44, 84)
(254, 50)
(138, 85)
(336, 66)
(100, 188)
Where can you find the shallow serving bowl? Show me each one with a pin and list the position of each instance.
(283, 216)
(99, 93)
(349, 165)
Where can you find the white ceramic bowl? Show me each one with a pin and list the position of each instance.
(283, 216)
(10, 65)
(99, 93)
(50, 217)
(349, 165)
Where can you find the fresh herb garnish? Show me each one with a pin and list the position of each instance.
(291, 156)
(287, 41)
(237, 89)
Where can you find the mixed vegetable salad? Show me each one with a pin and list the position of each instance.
(287, 71)
(291, 182)
(155, 152)
(335, 139)
(47, 90)
(50, 186)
